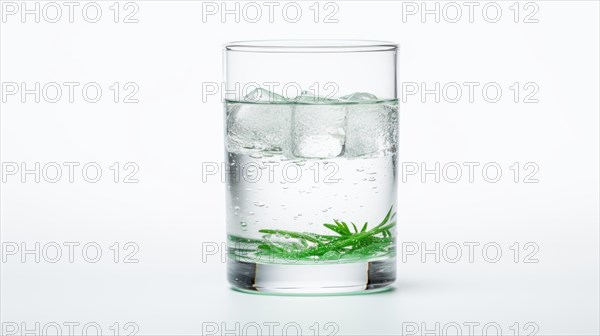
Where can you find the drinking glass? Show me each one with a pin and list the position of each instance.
(311, 134)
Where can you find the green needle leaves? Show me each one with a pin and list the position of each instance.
(348, 242)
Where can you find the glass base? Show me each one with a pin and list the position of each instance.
(307, 279)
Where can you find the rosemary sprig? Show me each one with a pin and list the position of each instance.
(349, 240)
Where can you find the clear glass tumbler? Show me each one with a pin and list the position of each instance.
(311, 131)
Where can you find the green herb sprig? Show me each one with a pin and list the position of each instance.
(349, 241)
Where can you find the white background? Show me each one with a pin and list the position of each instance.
(171, 216)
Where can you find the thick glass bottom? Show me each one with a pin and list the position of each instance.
(318, 279)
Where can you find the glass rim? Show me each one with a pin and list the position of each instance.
(310, 46)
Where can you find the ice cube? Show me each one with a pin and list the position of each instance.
(306, 97)
(258, 127)
(372, 129)
(359, 96)
(318, 128)
(260, 95)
